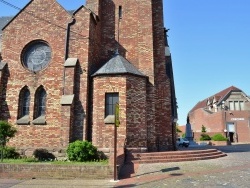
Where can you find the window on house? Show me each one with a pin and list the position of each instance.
(231, 105)
(110, 100)
(241, 105)
(40, 106)
(24, 106)
(236, 105)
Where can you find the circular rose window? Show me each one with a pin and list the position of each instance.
(36, 56)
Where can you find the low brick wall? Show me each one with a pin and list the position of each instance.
(39, 171)
(220, 143)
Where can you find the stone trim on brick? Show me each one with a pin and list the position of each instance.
(67, 99)
(2, 65)
(70, 62)
(25, 120)
(39, 121)
(110, 119)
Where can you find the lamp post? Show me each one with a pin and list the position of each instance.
(223, 106)
(116, 124)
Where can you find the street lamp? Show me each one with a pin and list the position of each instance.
(223, 106)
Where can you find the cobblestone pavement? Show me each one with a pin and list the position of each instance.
(232, 171)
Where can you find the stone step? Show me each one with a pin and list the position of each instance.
(173, 156)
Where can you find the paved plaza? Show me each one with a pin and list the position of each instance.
(231, 171)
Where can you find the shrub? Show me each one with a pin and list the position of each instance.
(43, 155)
(82, 151)
(219, 137)
(203, 129)
(7, 131)
(10, 153)
(205, 137)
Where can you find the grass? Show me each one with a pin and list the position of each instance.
(35, 161)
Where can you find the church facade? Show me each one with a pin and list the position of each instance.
(62, 72)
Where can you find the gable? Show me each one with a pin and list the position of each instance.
(45, 11)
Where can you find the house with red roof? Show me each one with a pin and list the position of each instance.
(226, 112)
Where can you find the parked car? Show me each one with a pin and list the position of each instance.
(182, 142)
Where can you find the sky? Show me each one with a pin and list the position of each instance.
(209, 42)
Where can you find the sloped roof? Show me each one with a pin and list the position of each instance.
(218, 96)
(118, 65)
(3, 21)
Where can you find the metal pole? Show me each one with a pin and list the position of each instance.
(115, 152)
(116, 124)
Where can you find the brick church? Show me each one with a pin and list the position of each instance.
(61, 73)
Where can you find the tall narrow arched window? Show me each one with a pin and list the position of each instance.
(26, 103)
(24, 106)
(41, 102)
(40, 106)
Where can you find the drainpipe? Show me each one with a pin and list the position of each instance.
(72, 22)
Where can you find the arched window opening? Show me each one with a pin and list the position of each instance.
(26, 103)
(24, 106)
(40, 106)
(41, 103)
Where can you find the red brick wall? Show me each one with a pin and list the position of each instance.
(26, 171)
(141, 40)
(136, 113)
(133, 117)
(216, 123)
(103, 134)
(213, 122)
(47, 21)
(93, 41)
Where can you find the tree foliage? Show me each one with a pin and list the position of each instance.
(7, 131)
(203, 129)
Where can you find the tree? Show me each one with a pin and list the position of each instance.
(203, 129)
(204, 136)
(7, 131)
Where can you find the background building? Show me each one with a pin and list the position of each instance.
(62, 73)
(226, 112)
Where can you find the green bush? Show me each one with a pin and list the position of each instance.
(205, 137)
(219, 137)
(82, 151)
(10, 153)
(43, 155)
(203, 129)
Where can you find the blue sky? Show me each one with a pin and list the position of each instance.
(210, 47)
(209, 43)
